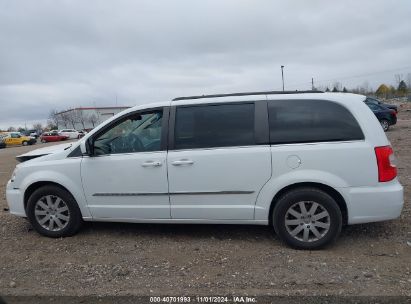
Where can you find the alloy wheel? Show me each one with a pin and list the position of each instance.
(307, 221)
(52, 213)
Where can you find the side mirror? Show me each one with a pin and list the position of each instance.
(83, 147)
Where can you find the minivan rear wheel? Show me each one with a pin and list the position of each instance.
(53, 212)
(307, 218)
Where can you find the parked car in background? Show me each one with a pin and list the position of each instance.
(52, 136)
(2, 143)
(70, 133)
(305, 163)
(16, 138)
(386, 117)
(380, 103)
(81, 134)
(33, 133)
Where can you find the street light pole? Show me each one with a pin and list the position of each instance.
(282, 75)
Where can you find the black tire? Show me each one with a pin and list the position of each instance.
(74, 222)
(306, 195)
(385, 124)
(25, 143)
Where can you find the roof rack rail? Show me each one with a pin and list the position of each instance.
(246, 94)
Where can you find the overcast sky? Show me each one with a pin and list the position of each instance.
(61, 54)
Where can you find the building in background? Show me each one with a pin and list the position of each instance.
(85, 118)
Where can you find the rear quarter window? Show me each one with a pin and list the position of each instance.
(304, 121)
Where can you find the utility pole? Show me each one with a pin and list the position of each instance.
(312, 84)
(282, 75)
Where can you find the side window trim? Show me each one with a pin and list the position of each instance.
(171, 127)
(261, 125)
(164, 128)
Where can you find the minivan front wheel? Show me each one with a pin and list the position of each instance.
(307, 218)
(53, 212)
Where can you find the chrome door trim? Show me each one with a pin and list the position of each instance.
(131, 194)
(210, 192)
(175, 193)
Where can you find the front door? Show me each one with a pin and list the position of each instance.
(126, 177)
(215, 166)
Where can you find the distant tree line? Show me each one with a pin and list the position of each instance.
(402, 88)
(38, 127)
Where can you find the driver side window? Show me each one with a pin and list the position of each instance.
(136, 132)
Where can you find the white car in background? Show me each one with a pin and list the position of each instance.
(70, 133)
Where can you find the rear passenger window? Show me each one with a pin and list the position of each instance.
(301, 121)
(214, 126)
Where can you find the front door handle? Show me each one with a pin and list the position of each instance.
(151, 164)
(182, 162)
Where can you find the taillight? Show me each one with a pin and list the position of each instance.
(386, 170)
(393, 112)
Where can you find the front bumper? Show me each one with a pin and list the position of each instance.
(373, 204)
(15, 200)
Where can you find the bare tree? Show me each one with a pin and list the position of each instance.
(38, 127)
(337, 85)
(81, 118)
(363, 89)
(54, 118)
(398, 78)
(72, 118)
(65, 118)
(11, 129)
(93, 119)
(51, 125)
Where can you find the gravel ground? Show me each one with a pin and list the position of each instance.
(140, 259)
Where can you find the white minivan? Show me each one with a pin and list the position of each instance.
(306, 163)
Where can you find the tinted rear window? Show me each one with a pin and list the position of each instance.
(300, 121)
(214, 126)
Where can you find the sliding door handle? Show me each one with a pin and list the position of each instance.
(182, 162)
(151, 164)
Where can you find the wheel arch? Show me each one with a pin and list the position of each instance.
(36, 185)
(327, 189)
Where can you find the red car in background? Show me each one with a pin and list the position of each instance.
(52, 136)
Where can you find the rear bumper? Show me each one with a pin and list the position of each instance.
(373, 204)
(15, 200)
(393, 120)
